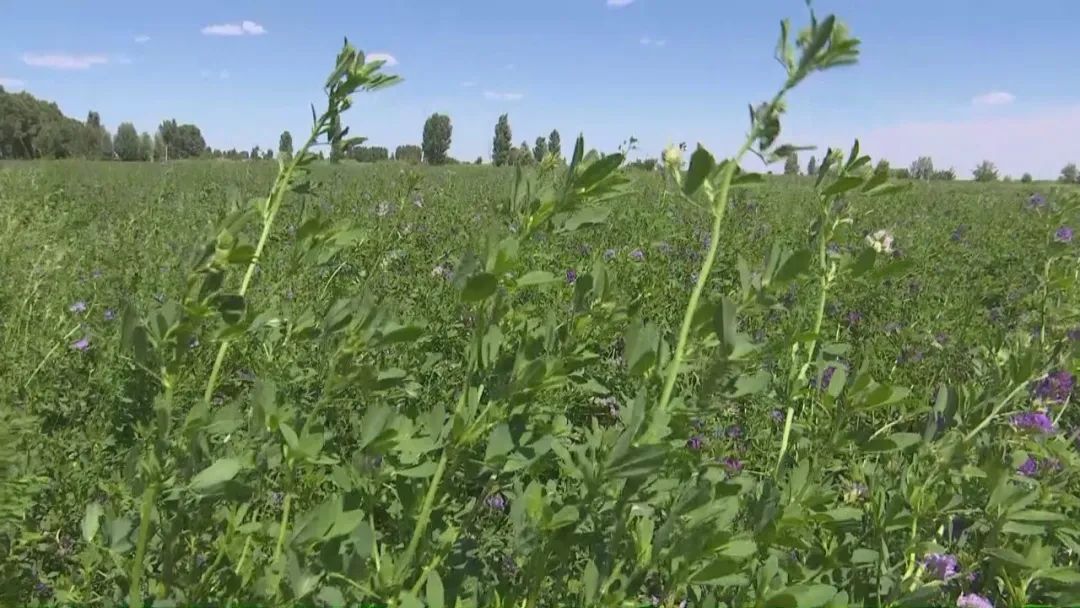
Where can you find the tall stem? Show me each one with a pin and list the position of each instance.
(425, 513)
(273, 204)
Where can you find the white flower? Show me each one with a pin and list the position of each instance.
(881, 241)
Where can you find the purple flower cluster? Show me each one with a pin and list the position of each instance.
(609, 255)
(778, 415)
(733, 465)
(637, 255)
(571, 276)
(496, 502)
(77, 308)
(1034, 422)
(972, 600)
(81, 345)
(1074, 334)
(1032, 467)
(1055, 387)
(941, 566)
(695, 443)
(1036, 201)
(854, 317)
(1064, 235)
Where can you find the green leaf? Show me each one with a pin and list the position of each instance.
(794, 266)
(424, 470)
(479, 287)
(892, 443)
(590, 583)
(864, 556)
(637, 461)
(500, 442)
(1034, 515)
(224, 469)
(863, 263)
(535, 277)
(701, 165)
(1064, 575)
(435, 594)
(842, 185)
(91, 521)
(1008, 556)
(585, 216)
(738, 549)
(232, 307)
(801, 596)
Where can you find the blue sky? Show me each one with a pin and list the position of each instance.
(961, 80)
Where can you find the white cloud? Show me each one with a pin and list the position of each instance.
(647, 41)
(64, 61)
(994, 98)
(244, 28)
(122, 59)
(142, 38)
(11, 83)
(501, 96)
(468, 84)
(619, 3)
(390, 60)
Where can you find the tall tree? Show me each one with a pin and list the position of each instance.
(791, 165)
(540, 149)
(882, 167)
(409, 153)
(554, 144)
(1069, 174)
(146, 147)
(285, 144)
(255, 154)
(126, 142)
(922, 168)
(985, 172)
(811, 167)
(436, 142)
(107, 151)
(500, 147)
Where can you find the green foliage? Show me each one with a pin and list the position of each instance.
(339, 397)
(922, 168)
(502, 144)
(436, 142)
(811, 167)
(181, 141)
(791, 165)
(369, 154)
(285, 145)
(1025, 178)
(1069, 174)
(985, 172)
(540, 149)
(554, 144)
(409, 154)
(126, 142)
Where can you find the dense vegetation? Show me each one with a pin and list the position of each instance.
(570, 384)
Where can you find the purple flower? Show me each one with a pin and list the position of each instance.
(972, 600)
(571, 276)
(1030, 468)
(496, 502)
(734, 431)
(941, 566)
(1034, 422)
(609, 255)
(637, 255)
(958, 234)
(777, 415)
(43, 589)
(833, 249)
(1036, 200)
(826, 377)
(1064, 235)
(732, 464)
(1055, 387)
(1074, 334)
(82, 344)
(854, 318)
(276, 498)
(695, 443)
(78, 307)
(110, 314)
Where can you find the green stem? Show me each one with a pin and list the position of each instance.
(279, 546)
(425, 514)
(145, 512)
(993, 414)
(273, 204)
(787, 438)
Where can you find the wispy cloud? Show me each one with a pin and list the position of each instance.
(11, 83)
(619, 3)
(142, 38)
(994, 98)
(220, 74)
(64, 61)
(468, 84)
(390, 60)
(244, 28)
(647, 41)
(122, 59)
(502, 96)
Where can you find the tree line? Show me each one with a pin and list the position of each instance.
(32, 128)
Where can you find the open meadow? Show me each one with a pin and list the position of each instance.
(556, 381)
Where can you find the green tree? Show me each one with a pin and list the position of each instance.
(1025, 178)
(255, 154)
(409, 154)
(811, 167)
(126, 142)
(985, 172)
(554, 144)
(501, 146)
(922, 168)
(882, 167)
(285, 144)
(107, 151)
(436, 141)
(791, 164)
(947, 175)
(146, 147)
(1069, 174)
(540, 149)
